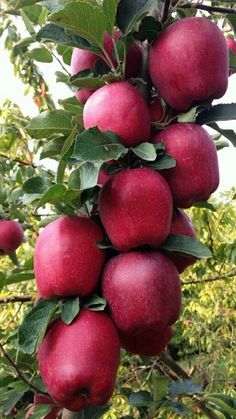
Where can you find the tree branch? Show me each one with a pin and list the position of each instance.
(165, 11)
(19, 373)
(170, 363)
(23, 162)
(212, 279)
(209, 9)
(15, 299)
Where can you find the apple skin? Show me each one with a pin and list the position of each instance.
(142, 290)
(78, 362)
(67, 261)
(119, 107)
(147, 343)
(11, 236)
(196, 174)
(82, 60)
(135, 206)
(181, 224)
(183, 59)
(156, 110)
(231, 43)
(39, 399)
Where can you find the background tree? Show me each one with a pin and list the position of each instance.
(196, 377)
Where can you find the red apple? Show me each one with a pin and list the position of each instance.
(148, 343)
(78, 362)
(135, 206)
(11, 236)
(67, 261)
(181, 224)
(231, 43)
(44, 400)
(189, 62)
(142, 290)
(196, 174)
(119, 107)
(84, 60)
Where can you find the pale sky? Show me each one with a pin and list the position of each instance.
(13, 89)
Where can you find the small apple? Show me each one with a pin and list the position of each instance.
(196, 174)
(11, 236)
(44, 400)
(142, 290)
(67, 261)
(189, 63)
(78, 362)
(119, 107)
(135, 206)
(231, 43)
(181, 224)
(147, 343)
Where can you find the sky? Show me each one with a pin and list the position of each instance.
(12, 88)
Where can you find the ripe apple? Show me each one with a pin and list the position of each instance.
(119, 107)
(11, 236)
(181, 224)
(196, 174)
(142, 290)
(189, 63)
(231, 43)
(135, 206)
(147, 343)
(83, 60)
(44, 400)
(78, 362)
(67, 261)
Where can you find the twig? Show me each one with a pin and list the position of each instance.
(59, 61)
(16, 159)
(169, 362)
(213, 9)
(15, 299)
(165, 11)
(213, 279)
(19, 373)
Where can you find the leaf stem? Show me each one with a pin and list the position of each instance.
(213, 9)
(165, 11)
(22, 162)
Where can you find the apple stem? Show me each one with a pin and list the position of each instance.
(67, 414)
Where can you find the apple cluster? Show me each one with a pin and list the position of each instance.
(138, 209)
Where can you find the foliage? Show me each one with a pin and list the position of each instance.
(203, 381)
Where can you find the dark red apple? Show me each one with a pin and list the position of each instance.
(67, 261)
(119, 107)
(147, 343)
(135, 206)
(44, 400)
(78, 362)
(84, 60)
(11, 236)
(142, 290)
(196, 174)
(181, 224)
(189, 62)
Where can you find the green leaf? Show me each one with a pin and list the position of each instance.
(95, 412)
(71, 104)
(140, 399)
(57, 34)
(28, 25)
(205, 204)
(87, 82)
(148, 29)
(227, 133)
(14, 397)
(50, 122)
(227, 403)
(232, 21)
(18, 4)
(36, 185)
(177, 407)
(54, 6)
(95, 303)
(40, 54)
(52, 148)
(33, 12)
(16, 278)
(52, 196)
(131, 12)
(160, 386)
(187, 245)
(221, 112)
(184, 387)
(34, 325)
(165, 162)
(89, 175)
(232, 60)
(220, 144)
(189, 116)
(70, 309)
(110, 9)
(41, 411)
(93, 145)
(82, 18)
(146, 151)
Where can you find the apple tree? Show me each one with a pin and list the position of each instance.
(97, 320)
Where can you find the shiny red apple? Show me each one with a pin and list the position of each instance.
(147, 343)
(11, 236)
